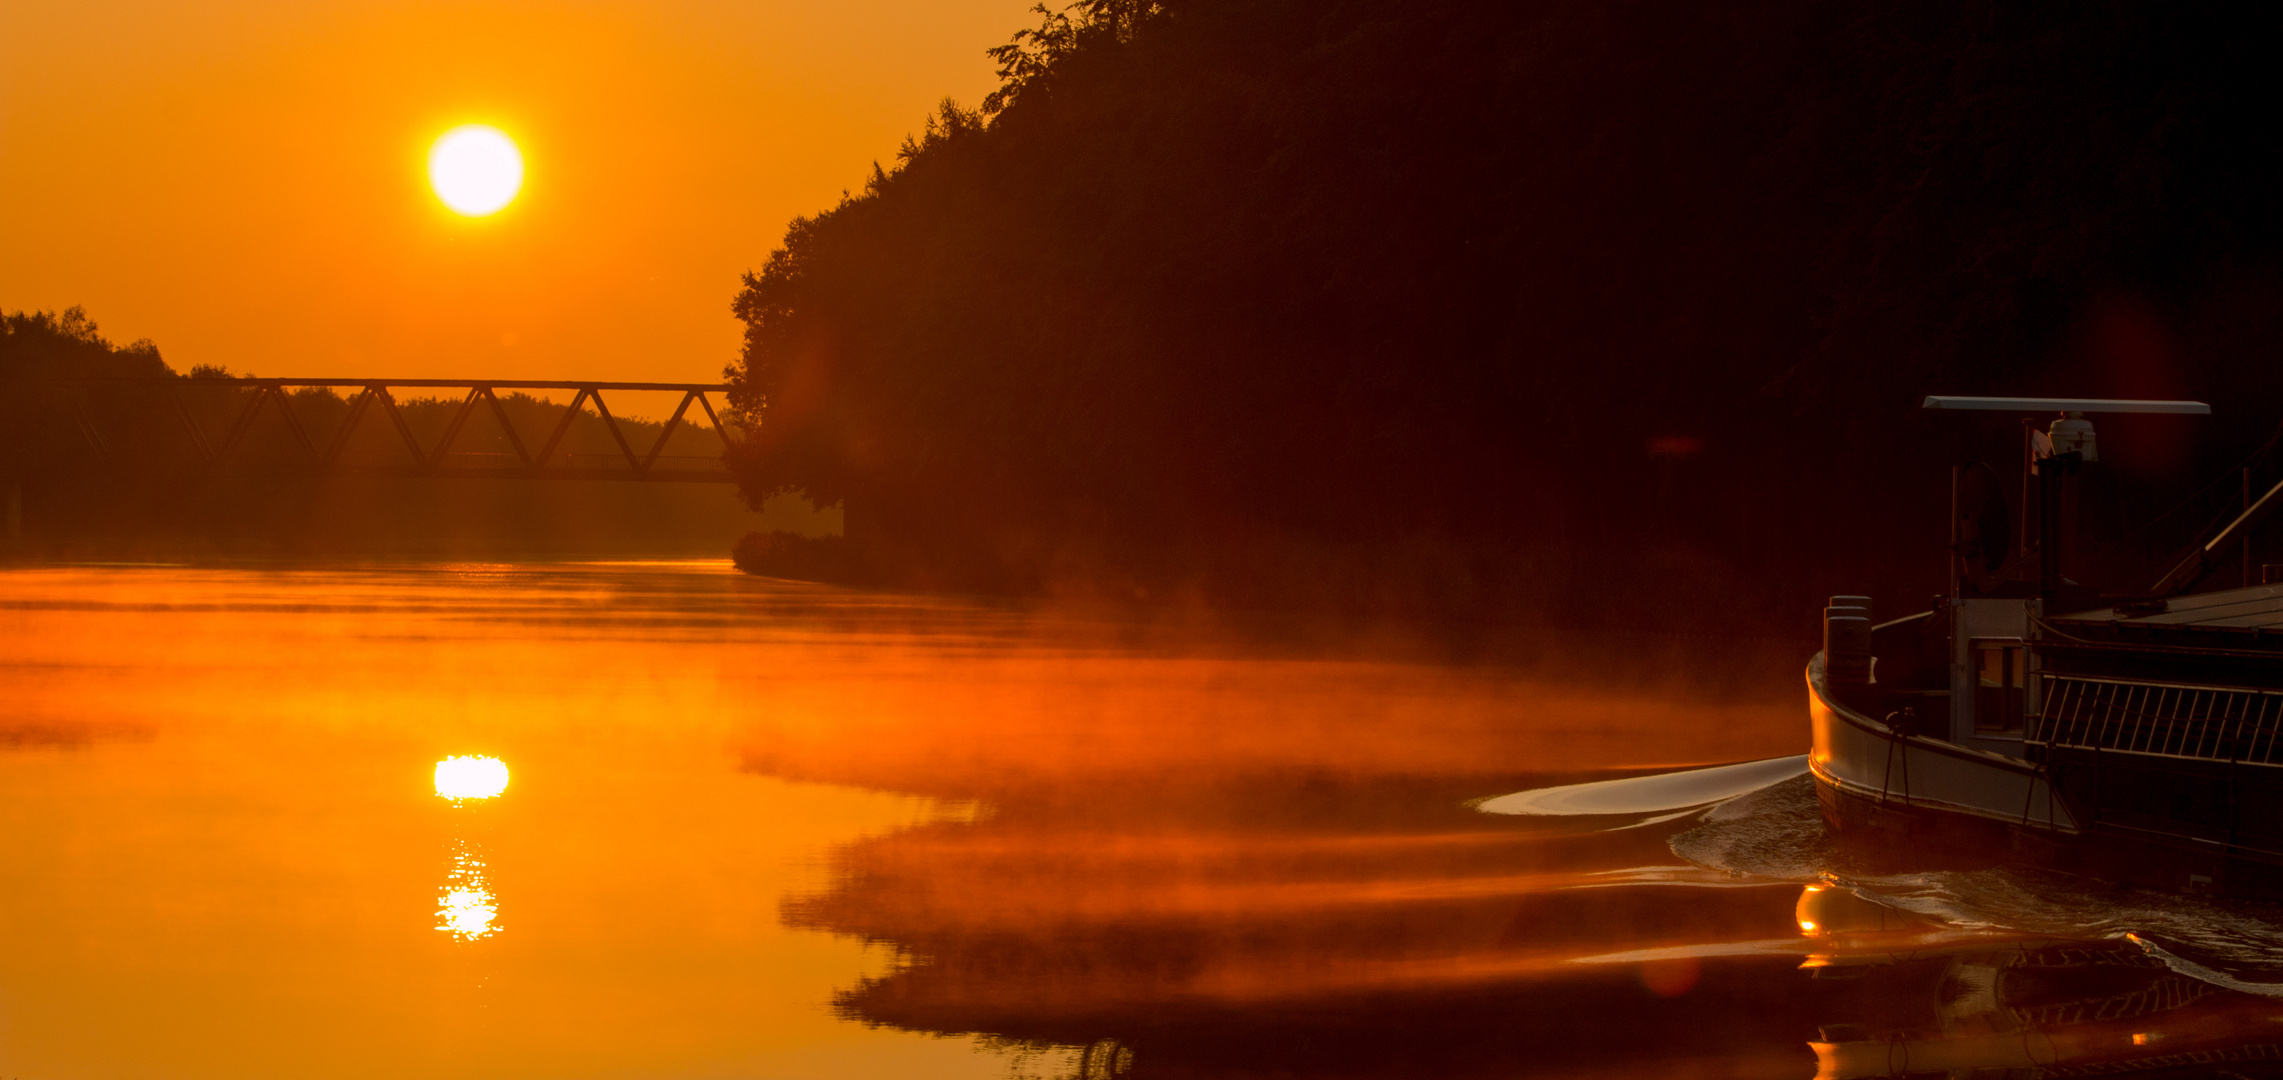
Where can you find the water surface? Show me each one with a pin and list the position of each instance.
(760, 829)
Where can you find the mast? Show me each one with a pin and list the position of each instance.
(2054, 456)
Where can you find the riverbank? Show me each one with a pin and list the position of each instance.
(255, 517)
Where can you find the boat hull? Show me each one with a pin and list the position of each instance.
(1873, 762)
(1932, 803)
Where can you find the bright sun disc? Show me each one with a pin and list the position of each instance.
(475, 169)
(470, 777)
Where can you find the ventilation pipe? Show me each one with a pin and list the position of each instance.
(1847, 641)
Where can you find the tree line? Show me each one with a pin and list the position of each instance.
(94, 446)
(1573, 309)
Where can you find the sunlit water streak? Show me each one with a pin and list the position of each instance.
(467, 910)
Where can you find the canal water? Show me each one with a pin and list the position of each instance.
(665, 820)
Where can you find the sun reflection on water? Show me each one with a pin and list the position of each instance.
(466, 909)
(468, 777)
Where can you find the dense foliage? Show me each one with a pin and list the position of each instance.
(1466, 306)
(39, 352)
(94, 450)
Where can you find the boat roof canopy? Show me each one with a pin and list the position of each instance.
(2067, 405)
(2259, 607)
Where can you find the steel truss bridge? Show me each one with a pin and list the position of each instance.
(373, 395)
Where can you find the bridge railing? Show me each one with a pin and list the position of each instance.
(425, 460)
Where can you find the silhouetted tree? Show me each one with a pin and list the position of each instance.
(42, 353)
(1473, 308)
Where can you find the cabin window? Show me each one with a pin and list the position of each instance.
(2001, 668)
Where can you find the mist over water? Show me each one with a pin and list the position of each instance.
(664, 819)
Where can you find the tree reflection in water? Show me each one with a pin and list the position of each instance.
(1431, 945)
(1377, 928)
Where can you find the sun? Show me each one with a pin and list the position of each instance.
(475, 169)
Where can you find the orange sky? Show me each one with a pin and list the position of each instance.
(243, 180)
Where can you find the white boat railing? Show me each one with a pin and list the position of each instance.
(2178, 720)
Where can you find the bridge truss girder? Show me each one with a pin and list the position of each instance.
(430, 461)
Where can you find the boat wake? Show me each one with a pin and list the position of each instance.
(1776, 833)
(1655, 793)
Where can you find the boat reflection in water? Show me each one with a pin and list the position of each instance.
(1909, 997)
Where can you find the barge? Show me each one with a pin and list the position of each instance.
(2137, 739)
